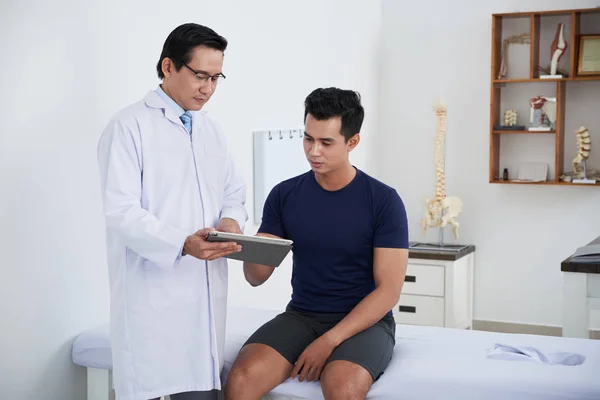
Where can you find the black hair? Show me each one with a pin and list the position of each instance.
(184, 39)
(327, 103)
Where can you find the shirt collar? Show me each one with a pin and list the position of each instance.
(176, 107)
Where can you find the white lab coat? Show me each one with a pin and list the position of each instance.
(160, 185)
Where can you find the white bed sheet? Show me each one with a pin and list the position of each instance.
(443, 363)
(428, 363)
(92, 348)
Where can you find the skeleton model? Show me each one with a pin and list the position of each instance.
(523, 38)
(584, 146)
(510, 117)
(580, 173)
(441, 210)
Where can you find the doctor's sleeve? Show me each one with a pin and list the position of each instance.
(234, 198)
(121, 185)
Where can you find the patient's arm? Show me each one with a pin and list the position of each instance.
(257, 274)
(389, 270)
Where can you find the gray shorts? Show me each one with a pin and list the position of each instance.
(290, 332)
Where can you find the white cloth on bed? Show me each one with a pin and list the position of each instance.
(528, 353)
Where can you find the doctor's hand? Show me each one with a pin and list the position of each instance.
(310, 363)
(197, 246)
(229, 225)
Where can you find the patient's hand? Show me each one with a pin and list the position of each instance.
(310, 363)
(229, 225)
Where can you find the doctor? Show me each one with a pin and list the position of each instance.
(167, 178)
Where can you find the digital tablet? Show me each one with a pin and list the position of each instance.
(255, 249)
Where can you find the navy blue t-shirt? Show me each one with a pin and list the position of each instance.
(334, 234)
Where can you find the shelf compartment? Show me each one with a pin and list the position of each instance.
(581, 109)
(544, 30)
(509, 28)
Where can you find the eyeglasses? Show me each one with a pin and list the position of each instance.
(203, 77)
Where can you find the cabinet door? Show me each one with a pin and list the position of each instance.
(419, 310)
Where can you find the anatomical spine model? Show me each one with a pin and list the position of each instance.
(510, 118)
(581, 173)
(584, 146)
(441, 210)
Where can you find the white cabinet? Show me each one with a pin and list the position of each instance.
(438, 290)
(581, 294)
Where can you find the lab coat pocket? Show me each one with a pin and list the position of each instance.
(174, 287)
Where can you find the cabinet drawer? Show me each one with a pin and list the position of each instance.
(424, 279)
(419, 310)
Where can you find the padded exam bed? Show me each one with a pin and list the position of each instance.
(428, 363)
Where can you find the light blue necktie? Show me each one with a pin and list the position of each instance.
(186, 118)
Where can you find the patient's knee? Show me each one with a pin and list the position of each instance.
(244, 372)
(240, 377)
(239, 383)
(254, 373)
(345, 380)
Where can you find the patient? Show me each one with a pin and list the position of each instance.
(349, 260)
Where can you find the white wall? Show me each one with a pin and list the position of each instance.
(67, 66)
(522, 233)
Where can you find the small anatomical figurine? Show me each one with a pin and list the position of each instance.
(510, 118)
(557, 50)
(538, 106)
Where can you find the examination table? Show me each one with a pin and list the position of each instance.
(428, 363)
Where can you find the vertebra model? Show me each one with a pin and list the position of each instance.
(510, 118)
(441, 210)
(584, 146)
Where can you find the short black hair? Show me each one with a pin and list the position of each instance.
(327, 103)
(184, 39)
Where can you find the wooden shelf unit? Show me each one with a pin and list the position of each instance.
(571, 56)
